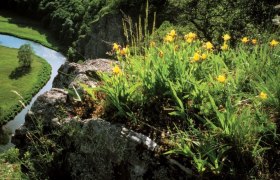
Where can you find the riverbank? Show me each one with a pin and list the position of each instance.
(25, 28)
(13, 80)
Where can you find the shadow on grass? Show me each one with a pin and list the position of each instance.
(19, 72)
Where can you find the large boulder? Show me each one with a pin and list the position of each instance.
(107, 151)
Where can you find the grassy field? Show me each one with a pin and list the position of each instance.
(24, 84)
(27, 29)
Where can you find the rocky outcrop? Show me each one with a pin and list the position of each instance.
(93, 148)
(104, 147)
(71, 74)
(104, 32)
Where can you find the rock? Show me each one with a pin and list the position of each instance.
(20, 138)
(4, 135)
(276, 19)
(105, 147)
(47, 106)
(72, 73)
(107, 30)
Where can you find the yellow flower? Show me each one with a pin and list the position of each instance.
(273, 43)
(203, 56)
(221, 78)
(263, 95)
(168, 38)
(226, 37)
(208, 45)
(196, 57)
(117, 70)
(224, 47)
(160, 54)
(190, 37)
(124, 51)
(152, 43)
(254, 41)
(115, 47)
(244, 40)
(172, 33)
(189, 40)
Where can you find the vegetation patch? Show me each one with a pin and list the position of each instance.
(18, 85)
(214, 107)
(10, 165)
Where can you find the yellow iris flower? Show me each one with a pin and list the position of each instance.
(221, 78)
(273, 43)
(208, 45)
(117, 70)
(263, 95)
(226, 37)
(244, 40)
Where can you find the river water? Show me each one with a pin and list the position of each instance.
(55, 59)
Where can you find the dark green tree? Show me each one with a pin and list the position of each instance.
(25, 55)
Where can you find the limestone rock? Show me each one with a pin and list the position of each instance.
(47, 106)
(276, 19)
(104, 147)
(71, 74)
(107, 30)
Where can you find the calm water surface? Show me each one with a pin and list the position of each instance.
(55, 59)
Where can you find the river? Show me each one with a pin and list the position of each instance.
(55, 59)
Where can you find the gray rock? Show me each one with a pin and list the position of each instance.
(71, 74)
(104, 147)
(107, 30)
(47, 106)
(276, 19)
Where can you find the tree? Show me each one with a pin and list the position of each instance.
(25, 55)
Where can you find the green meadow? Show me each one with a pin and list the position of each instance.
(25, 84)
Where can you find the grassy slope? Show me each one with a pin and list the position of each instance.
(23, 85)
(27, 29)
